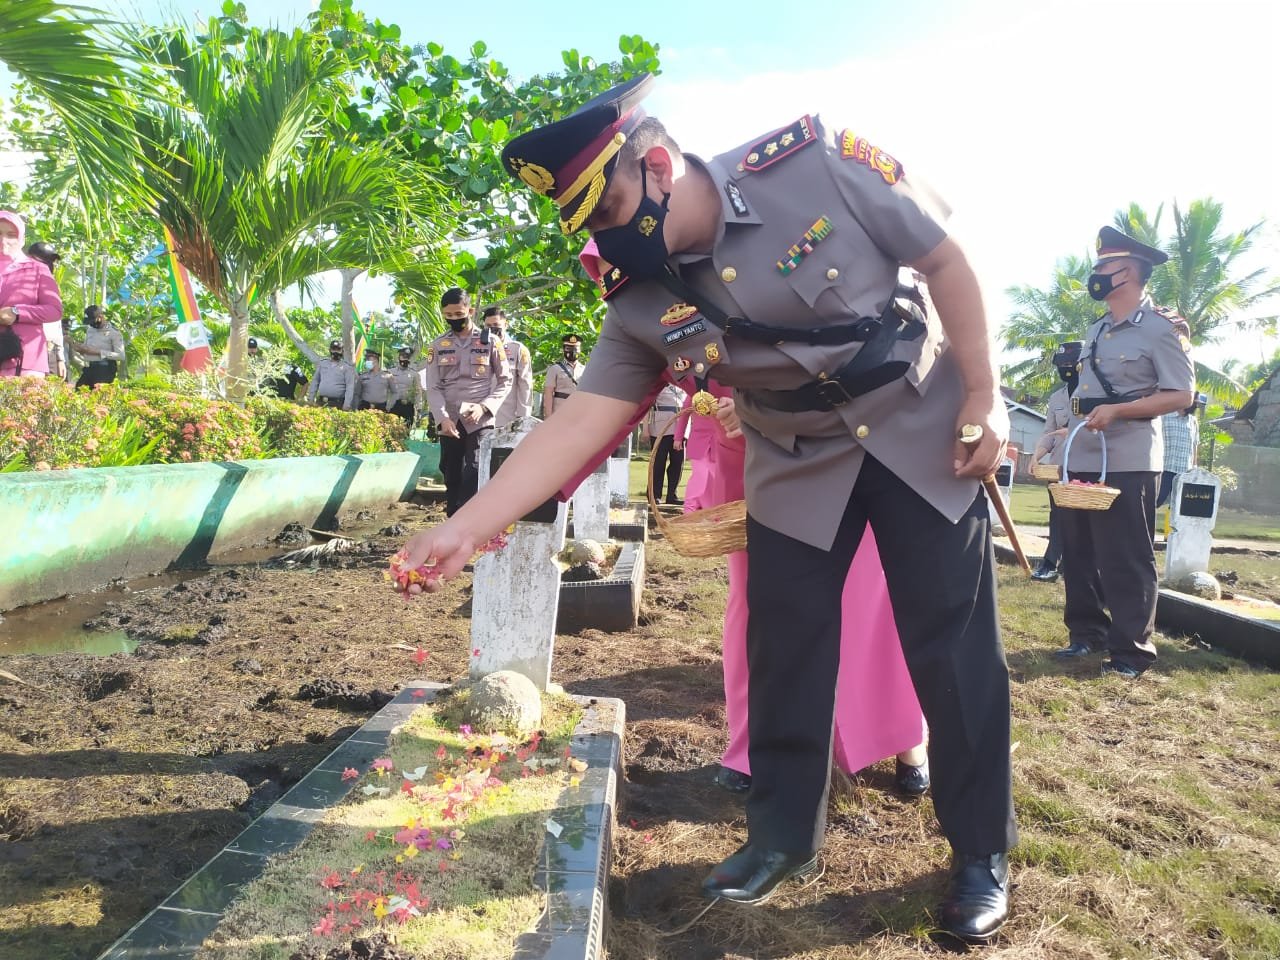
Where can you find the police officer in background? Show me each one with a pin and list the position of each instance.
(1057, 414)
(404, 386)
(334, 382)
(519, 401)
(777, 264)
(373, 386)
(562, 377)
(1136, 367)
(102, 348)
(466, 379)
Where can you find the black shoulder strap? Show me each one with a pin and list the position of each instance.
(1107, 388)
(829, 335)
(567, 372)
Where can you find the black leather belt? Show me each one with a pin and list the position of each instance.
(1083, 406)
(560, 396)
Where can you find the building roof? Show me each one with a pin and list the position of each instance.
(1250, 409)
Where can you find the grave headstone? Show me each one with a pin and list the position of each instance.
(591, 506)
(620, 474)
(1194, 510)
(516, 591)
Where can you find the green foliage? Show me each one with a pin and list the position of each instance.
(47, 425)
(452, 115)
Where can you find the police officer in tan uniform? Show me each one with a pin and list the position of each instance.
(466, 378)
(102, 348)
(776, 265)
(404, 386)
(373, 386)
(562, 376)
(1057, 413)
(334, 382)
(1136, 366)
(519, 401)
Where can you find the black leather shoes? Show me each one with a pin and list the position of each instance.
(1073, 651)
(673, 502)
(1120, 670)
(911, 781)
(753, 874)
(732, 780)
(978, 903)
(1044, 573)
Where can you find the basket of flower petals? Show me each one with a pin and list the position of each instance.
(1083, 494)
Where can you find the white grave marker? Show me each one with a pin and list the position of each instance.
(516, 591)
(1194, 507)
(620, 474)
(591, 506)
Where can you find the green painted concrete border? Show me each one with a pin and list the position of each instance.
(74, 530)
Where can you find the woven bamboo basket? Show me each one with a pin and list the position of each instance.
(700, 533)
(1047, 471)
(1075, 496)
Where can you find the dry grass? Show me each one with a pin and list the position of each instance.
(1149, 816)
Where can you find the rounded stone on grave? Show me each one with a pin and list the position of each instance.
(582, 551)
(583, 573)
(506, 702)
(1200, 584)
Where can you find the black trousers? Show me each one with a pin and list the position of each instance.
(460, 464)
(669, 461)
(942, 586)
(404, 411)
(95, 372)
(1053, 552)
(1108, 563)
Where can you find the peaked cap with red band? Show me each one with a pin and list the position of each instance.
(1112, 244)
(573, 159)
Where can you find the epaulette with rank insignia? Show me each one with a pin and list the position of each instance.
(611, 282)
(781, 143)
(1171, 315)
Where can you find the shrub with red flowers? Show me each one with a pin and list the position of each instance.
(46, 425)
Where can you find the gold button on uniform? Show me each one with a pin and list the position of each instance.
(728, 274)
(862, 432)
(833, 273)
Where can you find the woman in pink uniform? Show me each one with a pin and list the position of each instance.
(28, 300)
(876, 711)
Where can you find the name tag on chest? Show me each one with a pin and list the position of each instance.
(683, 333)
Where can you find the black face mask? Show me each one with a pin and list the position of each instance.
(404, 362)
(335, 356)
(571, 355)
(1068, 374)
(96, 324)
(638, 248)
(457, 326)
(1102, 285)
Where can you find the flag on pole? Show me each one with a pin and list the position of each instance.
(362, 334)
(191, 332)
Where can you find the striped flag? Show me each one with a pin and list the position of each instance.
(191, 332)
(362, 334)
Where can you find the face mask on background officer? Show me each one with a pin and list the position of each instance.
(497, 324)
(571, 351)
(335, 351)
(457, 315)
(405, 358)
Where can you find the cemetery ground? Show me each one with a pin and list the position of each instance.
(1149, 814)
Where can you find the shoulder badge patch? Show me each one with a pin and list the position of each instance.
(779, 144)
(431, 354)
(612, 282)
(860, 150)
(1169, 315)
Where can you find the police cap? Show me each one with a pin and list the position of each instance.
(1113, 244)
(1068, 353)
(573, 159)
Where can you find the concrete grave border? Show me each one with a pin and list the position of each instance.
(573, 867)
(611, 604)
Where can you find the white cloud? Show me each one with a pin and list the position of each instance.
(1037, 126)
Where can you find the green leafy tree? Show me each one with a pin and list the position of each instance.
(452, 115)
(259, 194)
(67, 55)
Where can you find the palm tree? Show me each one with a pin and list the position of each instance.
(260, 193)
(63, 52)
(1043, 319)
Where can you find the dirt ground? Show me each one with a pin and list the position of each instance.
(120, 776)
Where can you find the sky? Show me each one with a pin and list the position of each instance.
(1036, 120)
